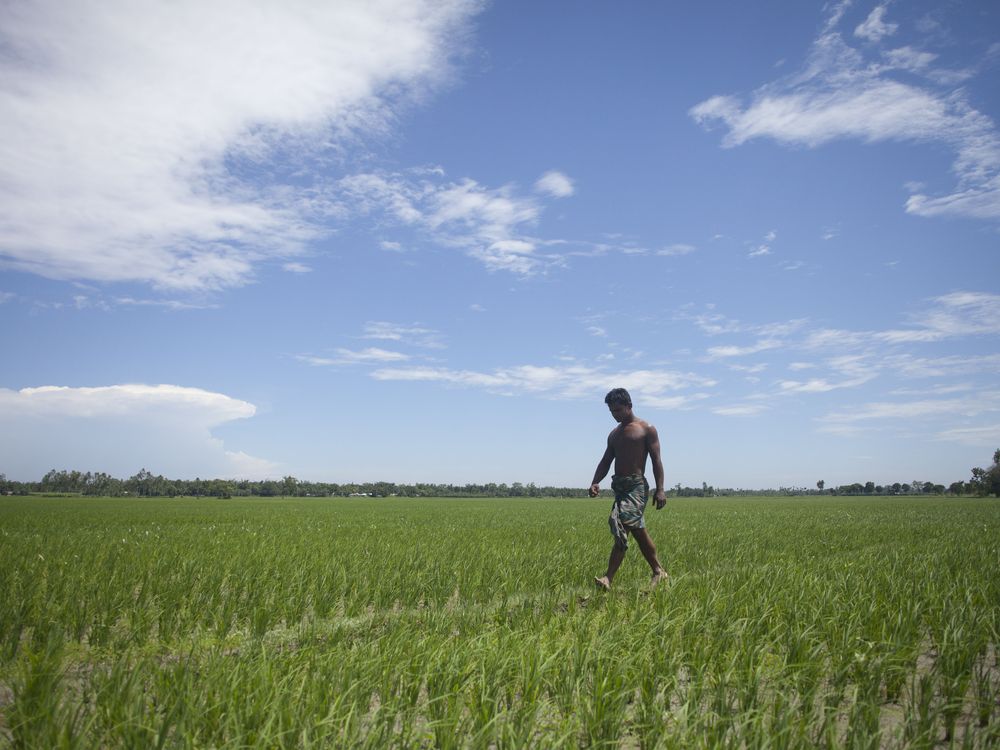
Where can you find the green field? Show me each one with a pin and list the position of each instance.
(472, 623)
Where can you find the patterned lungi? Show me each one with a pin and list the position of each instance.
(631, 494)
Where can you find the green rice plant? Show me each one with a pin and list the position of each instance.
(39, 717)
(333, 622)
(604, 700)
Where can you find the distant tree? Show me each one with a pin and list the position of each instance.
(820, 485)
(956, 488)
(986, 482)
(869, 488)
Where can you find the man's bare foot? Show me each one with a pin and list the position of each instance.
(659, 577)
(602, 583)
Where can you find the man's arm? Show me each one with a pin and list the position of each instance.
(603, 466)
(653, 446)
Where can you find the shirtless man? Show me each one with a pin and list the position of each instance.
(628, 446)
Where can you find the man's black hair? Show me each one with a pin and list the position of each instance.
(618, 396)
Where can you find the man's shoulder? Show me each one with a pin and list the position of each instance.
(648, 427)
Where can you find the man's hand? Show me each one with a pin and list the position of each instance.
(660, 498)
(595, 490)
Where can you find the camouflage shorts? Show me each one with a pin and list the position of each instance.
(631, 495)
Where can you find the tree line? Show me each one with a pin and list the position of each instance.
(983, 482)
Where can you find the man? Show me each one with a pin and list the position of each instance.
(628, 446)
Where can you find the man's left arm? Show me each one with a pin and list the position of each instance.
(653, 446)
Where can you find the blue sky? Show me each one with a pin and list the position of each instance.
(415, 241)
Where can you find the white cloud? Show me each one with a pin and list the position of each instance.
(797, 366)
(170, 304)
(6, 297)
(654, 389)
(740, 410)
(907, 58)
(596, 331)
(718, 352)
(910, 366)
(555, 184)
(348, 357)
(986, 437)
(821, 385)
(124, 126)
(839, 95)
(391, 246)
(677, 249)
(122, 428)
(950, 316)
(972, 406)
(413, 334)
(874, 27)
(759, 251)
(297, 268)
(486, 223)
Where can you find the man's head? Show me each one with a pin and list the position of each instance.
(619, 403)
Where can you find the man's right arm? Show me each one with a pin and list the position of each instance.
(603, 466)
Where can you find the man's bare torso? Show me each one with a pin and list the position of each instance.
(629, 441)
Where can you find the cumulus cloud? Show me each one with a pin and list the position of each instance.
(122, 428)
(656, 389)
(839, 94)
(555, 184)
(127, 128)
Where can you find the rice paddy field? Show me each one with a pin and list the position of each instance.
(799, 622)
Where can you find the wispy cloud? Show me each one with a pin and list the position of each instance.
(170, 304)
(720, 352)
(840, 94)
(741, 410)
(821, 385)
(296, 268)
(341, 356)
(120, 158)
(911, 366)
(974, 405)
(676, 249)
(555, 184)
(413, 334)
(987, 436)
(950, 316)
(654, 389)
(875, 26)
(488, 224)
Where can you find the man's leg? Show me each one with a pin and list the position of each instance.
(614, 562)
(648, 549)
